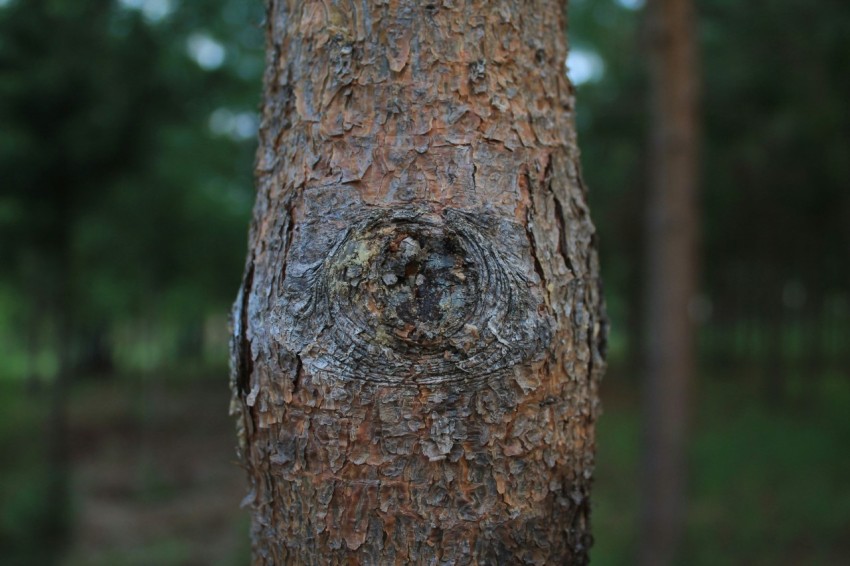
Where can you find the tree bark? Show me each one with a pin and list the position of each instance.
(419, 335)
(672, 227)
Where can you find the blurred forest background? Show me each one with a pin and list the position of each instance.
(127, 133)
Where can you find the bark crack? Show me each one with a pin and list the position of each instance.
(246, 361)
(299, 368)
(289, 226)
(538, 268)
(562, 235)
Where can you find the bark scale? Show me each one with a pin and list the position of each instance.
(419, 335)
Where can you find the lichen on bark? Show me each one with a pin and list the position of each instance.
(419, 334)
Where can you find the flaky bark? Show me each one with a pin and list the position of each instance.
(671, 240)
(418, 338)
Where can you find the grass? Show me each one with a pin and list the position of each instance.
(768, 484)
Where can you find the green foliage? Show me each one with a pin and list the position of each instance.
(123, 198)
(775, 136)
(776, 123)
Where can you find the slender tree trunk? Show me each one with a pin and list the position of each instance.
(419, 335)
(671, 277)
(58, 492)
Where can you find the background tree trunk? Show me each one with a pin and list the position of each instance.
(419, 335)
(671, 276)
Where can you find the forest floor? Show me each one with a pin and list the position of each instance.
(154, 478)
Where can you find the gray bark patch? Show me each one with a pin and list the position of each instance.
(410, 296)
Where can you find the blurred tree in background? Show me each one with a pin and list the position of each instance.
(125, 157)
(775, 272)
(126, 147)
(776, 211)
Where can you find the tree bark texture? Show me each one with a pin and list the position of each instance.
(671, 284)
(419, 335)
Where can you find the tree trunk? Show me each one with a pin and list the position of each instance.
(419, 334)
(671, 276)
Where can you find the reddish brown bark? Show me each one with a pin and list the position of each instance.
(672, 227)
(418, 338)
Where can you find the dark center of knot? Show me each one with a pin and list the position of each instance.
(413, 281)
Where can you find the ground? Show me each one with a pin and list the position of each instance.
(155, 481)
(155, 478)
